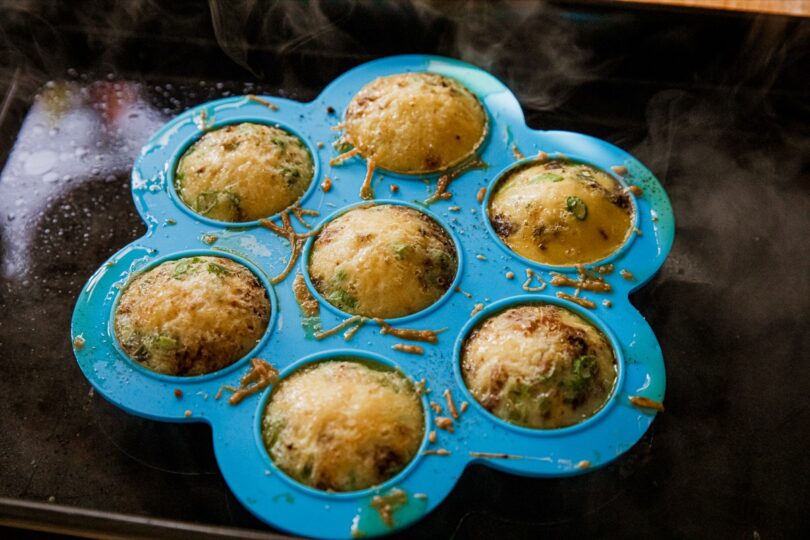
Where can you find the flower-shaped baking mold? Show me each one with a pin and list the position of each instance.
(490, 278)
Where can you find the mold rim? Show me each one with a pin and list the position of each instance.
(475, 153)
(351, 355)
(307, 251)
(502, 305)
(623, 249)
(173, 161)
(205, 377)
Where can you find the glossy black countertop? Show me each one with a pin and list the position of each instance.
(716, 105)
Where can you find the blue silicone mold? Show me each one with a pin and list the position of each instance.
(175, 231)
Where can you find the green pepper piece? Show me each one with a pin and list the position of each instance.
(218, 269)
(181, 269)
(165, 342)
(576, 206)
(547, 177)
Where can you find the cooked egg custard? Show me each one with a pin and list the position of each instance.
(540, 366)
(561, 213)
(415, 123)
(383, 261)
(244, 172)
(343, 425)
(191, 316)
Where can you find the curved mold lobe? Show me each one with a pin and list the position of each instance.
(120, 379)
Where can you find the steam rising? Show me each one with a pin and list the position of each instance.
(497, 36)
(537, 49)
(736, 285)
(537, 54)
(737, 199)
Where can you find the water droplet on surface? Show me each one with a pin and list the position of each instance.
(40, 162)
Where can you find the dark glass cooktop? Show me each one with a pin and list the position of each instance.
(716, 105)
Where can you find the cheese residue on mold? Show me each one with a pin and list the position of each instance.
(387, 504)
(531, 275)
(437, 452)
(646, 403)
(262, 101)
(308, 304)
(429, 336)
(286, 231)
(353, 320)
(260, 376)
(587, 280)
(411, 349)
(451, 404)
(584, 302)
(343, 424)
(443, 422)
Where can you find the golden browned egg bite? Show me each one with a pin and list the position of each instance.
(415, 123)
(561, 213)
(382, 261)
(191, 316)
(343, 425)
(540, 366)
(244, 172)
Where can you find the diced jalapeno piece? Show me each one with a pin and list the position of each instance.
(576, 206)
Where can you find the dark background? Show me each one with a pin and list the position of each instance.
(716, 105)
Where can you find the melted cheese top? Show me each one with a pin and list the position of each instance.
(539, 366)
(343, 425)
(383, 261)
(191, 316)
(415, 122)
(244, 172)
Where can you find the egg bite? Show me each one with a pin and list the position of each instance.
(540, 366)
(343, 424)
(382, 260)
(191, 316)
(244, 172)
(415, 123)
(561, 213)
